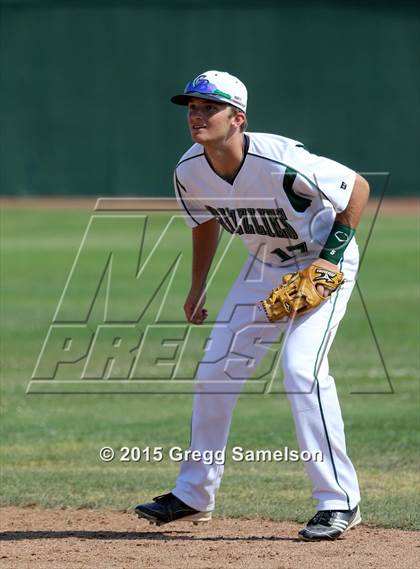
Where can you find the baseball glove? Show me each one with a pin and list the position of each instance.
(298, 293)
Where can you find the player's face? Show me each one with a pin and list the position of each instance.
(209, 122)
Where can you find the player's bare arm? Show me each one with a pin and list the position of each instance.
(358, 200)
(204, 243)
(350, 217)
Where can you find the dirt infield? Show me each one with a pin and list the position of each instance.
(106, 539)
(391, 206)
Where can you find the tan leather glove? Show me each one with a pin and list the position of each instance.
(298, 294)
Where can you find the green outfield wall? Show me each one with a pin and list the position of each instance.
(85, 87)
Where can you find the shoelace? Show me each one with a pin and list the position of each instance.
(323, 517)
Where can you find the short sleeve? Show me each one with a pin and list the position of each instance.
(192, 208)
(317, 173)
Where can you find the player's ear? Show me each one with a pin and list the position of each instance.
(239, 118)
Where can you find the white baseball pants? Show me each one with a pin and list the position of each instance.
(237, 344)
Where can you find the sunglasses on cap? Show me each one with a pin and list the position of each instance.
(205, 87)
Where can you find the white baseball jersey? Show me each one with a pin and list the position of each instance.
(282, 202)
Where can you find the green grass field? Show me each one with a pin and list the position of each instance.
(50, 443)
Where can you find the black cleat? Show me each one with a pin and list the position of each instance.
(168, 508)
(330, 524)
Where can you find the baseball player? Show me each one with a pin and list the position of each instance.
(296, 213)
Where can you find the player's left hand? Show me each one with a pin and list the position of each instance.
(324, 291)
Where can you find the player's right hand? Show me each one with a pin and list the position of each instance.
(194, 307)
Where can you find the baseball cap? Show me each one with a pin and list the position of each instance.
(217, 86)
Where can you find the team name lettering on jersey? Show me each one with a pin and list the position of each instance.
(251, 221)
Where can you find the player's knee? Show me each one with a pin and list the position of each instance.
(300, 388)
(297, 368)
(298, 384)
(298, 379)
